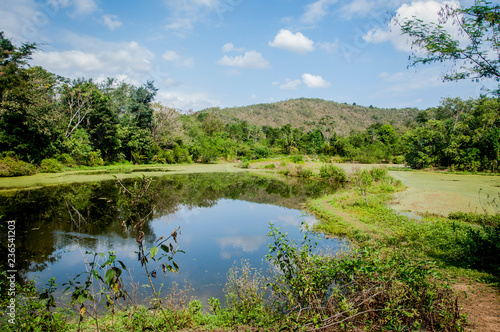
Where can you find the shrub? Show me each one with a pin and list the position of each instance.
(333, 173)
(304, 172)
(12, 167)
(51, 166)
(379, 173)
(67, 160)
(398, 160)
(269, 166)
(246, 294)
(297, 158)
(93, 159)
(262, 152)
(395, 293)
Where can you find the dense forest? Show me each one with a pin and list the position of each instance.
(48, 122)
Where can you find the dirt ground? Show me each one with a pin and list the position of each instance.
(481, 303)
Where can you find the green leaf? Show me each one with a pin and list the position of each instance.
(153, 252)
(110, 274)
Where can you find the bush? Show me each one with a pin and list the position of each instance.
(67, 160)
(398, 160)
(51, 166)
(262, 152)
(304, 172)
(270, 166)
(93, 159)
(397, 294)
(333, 173)
(297, 158)
(378, 173)
(12, 167)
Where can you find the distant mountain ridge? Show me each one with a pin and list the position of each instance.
(306, 113)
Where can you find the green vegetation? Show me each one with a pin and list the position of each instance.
(390, 279)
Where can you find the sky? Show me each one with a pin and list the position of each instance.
(224, 53)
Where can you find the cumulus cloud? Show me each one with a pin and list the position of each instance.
(111, 21)
(294, 42)
(314, 81)
(130, 60)
(290, 84)
(251, 59)
(428, 11)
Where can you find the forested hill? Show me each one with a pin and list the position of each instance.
(308, 113)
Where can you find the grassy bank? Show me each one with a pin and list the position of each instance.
(395, 277)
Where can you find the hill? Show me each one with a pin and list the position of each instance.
(306, 113)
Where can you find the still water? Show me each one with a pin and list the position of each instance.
(223, 219)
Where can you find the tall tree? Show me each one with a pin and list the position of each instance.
(28, 122)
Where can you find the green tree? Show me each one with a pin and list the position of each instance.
(28, 120)
(477, 58)
(102, 125)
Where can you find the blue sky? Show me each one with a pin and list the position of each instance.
(205, 53)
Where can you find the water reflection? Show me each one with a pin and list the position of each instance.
(223, 218)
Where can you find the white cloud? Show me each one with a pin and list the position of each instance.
(330, 47)
(106, 60)
(186, 101)
(184, 14)
(313, 81)
(358, 8)
(251, 59)
(406, 82)
(171, 56)
(80, 7)
(111, 21)
(229, 47)
(18, 20)
(316, 11)
(289, 41)
(178, 59)
(84, 6)
(428, 11)
(290, 84)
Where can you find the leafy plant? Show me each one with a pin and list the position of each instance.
(333, 173)
(51, 166)
(12, 167)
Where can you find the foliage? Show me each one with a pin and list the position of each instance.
(461, 135)
(303, 279)
(303, 172)
(362, 181)
(246, 296)
(12, 167)
(371, 288)
(475, 58)
(333, 173)
(51, 166)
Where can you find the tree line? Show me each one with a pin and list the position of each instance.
(52, 121)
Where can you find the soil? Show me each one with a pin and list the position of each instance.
(481, 303)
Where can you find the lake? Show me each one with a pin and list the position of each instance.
(223, 218)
